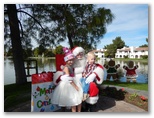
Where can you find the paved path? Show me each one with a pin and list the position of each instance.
(105, 104)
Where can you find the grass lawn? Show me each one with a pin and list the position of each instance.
(137, 86)
(16, 94)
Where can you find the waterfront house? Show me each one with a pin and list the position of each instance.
(131, 52)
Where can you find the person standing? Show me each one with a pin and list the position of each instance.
(67, 93)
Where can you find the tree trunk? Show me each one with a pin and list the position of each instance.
(70, 41)
(16, 45)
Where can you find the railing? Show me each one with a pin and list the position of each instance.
(28, 66)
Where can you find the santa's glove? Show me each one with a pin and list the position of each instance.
(66, 78)
(90, 78)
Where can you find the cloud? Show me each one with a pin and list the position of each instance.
(131, 22)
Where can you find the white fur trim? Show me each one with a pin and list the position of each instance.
(68, 57)
(56, 76)
(77, 50)
(92, 100)
(99, 74)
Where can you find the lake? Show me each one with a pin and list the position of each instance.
(45, 64)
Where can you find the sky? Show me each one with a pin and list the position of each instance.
(130, 23)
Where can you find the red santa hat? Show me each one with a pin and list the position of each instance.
(77, 50)
(68, 54)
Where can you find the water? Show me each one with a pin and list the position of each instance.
(43, 65)
(49, 65)
(142, 70)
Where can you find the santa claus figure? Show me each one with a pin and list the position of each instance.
(93, 79)
(131, 71)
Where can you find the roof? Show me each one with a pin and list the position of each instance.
(141, 49)
(135, 49)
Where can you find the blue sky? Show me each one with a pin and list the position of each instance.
(130, 23)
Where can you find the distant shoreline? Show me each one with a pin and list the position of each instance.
(42, 57)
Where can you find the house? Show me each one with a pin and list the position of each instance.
(131, 52)
(99, 53)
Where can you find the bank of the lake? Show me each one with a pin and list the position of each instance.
(133, 59)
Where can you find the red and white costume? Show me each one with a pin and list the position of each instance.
(131, 72)
(97, 75)
(79, 65)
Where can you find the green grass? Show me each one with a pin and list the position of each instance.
(15, 94)
(137, 86)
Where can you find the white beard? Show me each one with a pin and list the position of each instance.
(79, 62)
(79, 65)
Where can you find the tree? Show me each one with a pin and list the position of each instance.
(147, 40)
(16, 44)
(118, 43)
(58, 50)
(51, 24)
(145, 45)
(112, 48)
(79, 23)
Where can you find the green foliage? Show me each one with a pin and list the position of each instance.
(50, 24)
(28, 52)
(36, 52)
(144, 56)
(133, 96)
(146, 39)
(126, 57)
(58, 50)
(145, 45)
(112, 48)
(9, 53)
(49, 53)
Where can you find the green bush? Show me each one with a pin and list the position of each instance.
(144, 56)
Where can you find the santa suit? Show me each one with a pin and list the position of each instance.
(79, 65)
(97, 75)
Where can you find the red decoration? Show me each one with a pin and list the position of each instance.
(42, 77)
(143, 98)
(59, 61)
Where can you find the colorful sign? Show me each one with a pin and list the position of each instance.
(42, 90)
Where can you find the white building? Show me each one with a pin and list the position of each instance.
(131, 52)
(99, 53)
